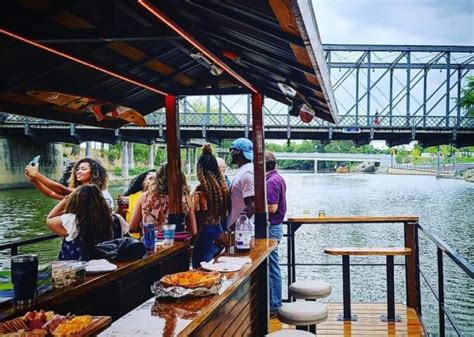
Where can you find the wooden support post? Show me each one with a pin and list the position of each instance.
(412, 266)
(261, 227)
(174, 163)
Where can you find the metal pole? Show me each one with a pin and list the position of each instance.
(220, 109)
(391, 98)
(247, 126)
(131, 158)
(448, 85)
(441, 293)
(425, 85)
(88, 149)
(458, 108)
(408, 87)
(346, 287)
(357, 97)
(390, 289)
(368, 88)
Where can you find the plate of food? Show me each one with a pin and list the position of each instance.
(221, 266)
(48, 323)
(191, 279)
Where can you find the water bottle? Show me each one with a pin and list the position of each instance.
(243, 233)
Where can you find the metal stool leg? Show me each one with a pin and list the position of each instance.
(346, 287)
(390, 317)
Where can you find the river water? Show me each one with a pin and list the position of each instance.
(444, 206)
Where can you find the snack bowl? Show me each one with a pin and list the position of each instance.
(68, 272)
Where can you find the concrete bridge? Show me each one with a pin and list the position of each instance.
(378, 159)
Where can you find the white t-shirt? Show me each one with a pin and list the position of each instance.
(242, 187)
(108, 198)
(69, 223)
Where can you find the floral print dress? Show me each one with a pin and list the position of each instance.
(155, 209)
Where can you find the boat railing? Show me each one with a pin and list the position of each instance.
(413, 271)
(14, 245)
(443, 249)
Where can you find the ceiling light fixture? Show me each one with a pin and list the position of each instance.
(181, 32)
(84, 63)
(215, 70)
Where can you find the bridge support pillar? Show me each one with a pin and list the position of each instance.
(188, 159)
(151, 156)
(88, 150)
(315, 166)
(125, 160)
(131, 158)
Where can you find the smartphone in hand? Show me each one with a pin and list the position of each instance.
(35, 160)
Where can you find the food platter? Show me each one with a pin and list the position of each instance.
(191, 279)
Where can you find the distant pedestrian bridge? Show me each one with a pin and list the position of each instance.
(382, 159)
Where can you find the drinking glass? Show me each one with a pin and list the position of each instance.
(24, 270)
(322, 213)
(168, 234)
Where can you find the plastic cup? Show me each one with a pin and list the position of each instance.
(322, 213)
(168, 234)
(24, 271)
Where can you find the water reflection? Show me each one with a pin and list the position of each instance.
(444, 206)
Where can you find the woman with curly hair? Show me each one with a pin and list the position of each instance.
(84, 220)
(210, 205)
(152, 206)
(84, 171)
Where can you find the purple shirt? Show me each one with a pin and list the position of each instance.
(276, 194)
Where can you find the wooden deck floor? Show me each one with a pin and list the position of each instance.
(368, 323)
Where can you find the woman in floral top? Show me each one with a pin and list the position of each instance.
(152, 206)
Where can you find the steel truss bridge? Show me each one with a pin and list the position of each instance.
(392, 93)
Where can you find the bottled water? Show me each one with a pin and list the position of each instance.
(244, 233)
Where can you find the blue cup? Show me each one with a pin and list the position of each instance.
(168, 234)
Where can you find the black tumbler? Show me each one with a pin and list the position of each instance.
(24, 277)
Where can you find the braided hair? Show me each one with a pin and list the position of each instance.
(212, 182)
(99, 175)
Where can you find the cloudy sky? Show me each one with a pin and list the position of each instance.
(443, 22)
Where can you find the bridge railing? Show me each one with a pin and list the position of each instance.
(284, 121)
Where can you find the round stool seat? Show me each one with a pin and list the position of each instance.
(310, 290)
(290, 333)
(302, 313)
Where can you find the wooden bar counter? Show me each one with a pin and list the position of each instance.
(240, 309)
(110, 294)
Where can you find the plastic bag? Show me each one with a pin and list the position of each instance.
(120, 249)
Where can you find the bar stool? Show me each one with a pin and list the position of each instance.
(290, 333)
(305, 315)
(310, 289)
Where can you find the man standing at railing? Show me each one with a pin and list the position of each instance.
(276, 200)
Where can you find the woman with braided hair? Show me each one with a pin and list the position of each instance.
(84, 171)
(152, 205)
(210, 205)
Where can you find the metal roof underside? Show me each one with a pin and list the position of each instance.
(265, 42)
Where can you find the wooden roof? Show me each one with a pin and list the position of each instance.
(118, 51)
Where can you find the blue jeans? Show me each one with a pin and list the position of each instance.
(275, 232)
(204, 248)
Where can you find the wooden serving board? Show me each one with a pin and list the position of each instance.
(98, 324)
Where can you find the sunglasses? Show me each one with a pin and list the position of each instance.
(233, 149)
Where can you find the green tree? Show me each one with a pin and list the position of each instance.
(467, 96)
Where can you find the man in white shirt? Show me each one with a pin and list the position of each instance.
(242, 187)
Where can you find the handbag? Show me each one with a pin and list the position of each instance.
(122, 249)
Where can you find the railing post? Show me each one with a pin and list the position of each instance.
(442, 327)
(412, 266)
